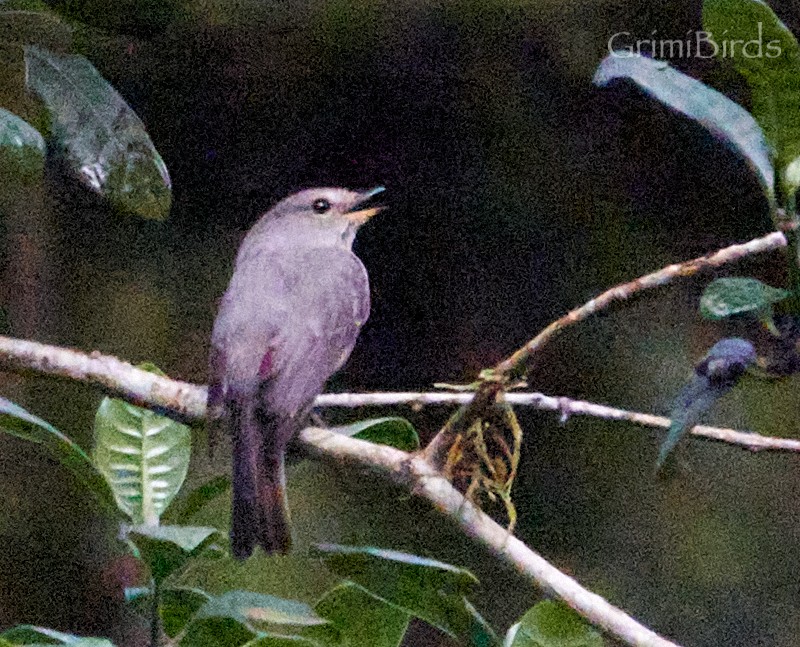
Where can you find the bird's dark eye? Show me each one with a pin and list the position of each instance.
(321, 206)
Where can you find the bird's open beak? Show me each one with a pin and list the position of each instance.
(360, 215)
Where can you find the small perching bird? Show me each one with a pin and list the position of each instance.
(714, 376)
(288, 320)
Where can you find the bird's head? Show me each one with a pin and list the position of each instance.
(324, 217)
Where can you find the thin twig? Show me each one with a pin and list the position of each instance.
(516, 362)
(188, 401)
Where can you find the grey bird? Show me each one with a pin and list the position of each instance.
(289, 319)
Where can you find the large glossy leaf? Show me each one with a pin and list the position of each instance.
(18, 422)
(22, 148)
(144, 457)
(167, 549)
(553, 624)
(428, 589)
(768, 57)
(724, 118)
(103, 141)
(395, 432)
(363, 619)
(738, 295)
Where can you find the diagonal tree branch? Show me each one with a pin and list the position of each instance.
(624, 292)
(515, 366)
(416, 474)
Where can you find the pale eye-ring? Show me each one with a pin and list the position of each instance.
(321, 205)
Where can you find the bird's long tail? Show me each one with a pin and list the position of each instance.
(260, 514)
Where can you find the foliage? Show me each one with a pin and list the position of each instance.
(88, 128)
(767, 138)
(139, 462)
(373, 604)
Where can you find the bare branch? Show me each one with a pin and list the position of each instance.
(107, 373)
(516, 362)
(188, 401)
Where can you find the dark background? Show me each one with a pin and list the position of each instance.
(516, 191)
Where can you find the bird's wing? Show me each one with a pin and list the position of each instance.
(332, 305)
(252, 313)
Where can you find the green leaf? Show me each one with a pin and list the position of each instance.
(261, 610)
(723, 118)
(217, 632)
(363, 619)
(177, 607)
(16, 421)
(427, 589)
(183, 509)
(738, 295)
(271, 640)
(166, 549)
(104, 143)
(144, 456)
(32, 635)
(395, 432)
(768, 57)
(22, 148)
(553, 624)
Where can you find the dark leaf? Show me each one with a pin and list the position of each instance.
(431, 590)
(363, 619)
(166, 549)
(553, 624)
(395, 432)
(177, 607)
(104, 143)
(725, 119)
(18, 422)
(183, 509)
(217, 632)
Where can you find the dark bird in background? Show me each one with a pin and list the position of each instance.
(288, 320)
(715, 375)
